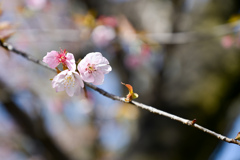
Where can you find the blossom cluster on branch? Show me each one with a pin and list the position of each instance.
(90, 69)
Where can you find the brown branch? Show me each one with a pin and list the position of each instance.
(122, 99)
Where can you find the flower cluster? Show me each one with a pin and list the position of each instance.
(90, 69)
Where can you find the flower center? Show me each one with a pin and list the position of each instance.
(62, 58)
(90, 68)
(69, 81)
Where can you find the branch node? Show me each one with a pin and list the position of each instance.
(191, 123)
(9, 47)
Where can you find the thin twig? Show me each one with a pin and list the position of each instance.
(122, 99)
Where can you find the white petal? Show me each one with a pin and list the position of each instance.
(78, 84)
(87, 77)
(104, 61)
(70, 90)
(59, 78)
(105, 69)
(82, 65)
(94, 57)
(60, 87)
(78, 80)
(98, 78)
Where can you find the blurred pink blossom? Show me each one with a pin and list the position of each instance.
(68, 80)
(108, 21)
(103, 35)
(93, 67)
(36, 4)
(145, 50)
(53, 59)
(227, 41)
(132, 61)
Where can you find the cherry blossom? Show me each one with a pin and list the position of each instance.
(68, 80)
(103, 35)
(93, 67)
(54, 58)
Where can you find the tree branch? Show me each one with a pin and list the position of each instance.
(122, 99)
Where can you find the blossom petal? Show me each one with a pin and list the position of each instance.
(94, 57)
(105, 69)
(51, 59)
(98, 78)
(58, 81)
(70, 90)
(104, 61)
(97, 58)
(78, 80)
(70, 62)
(60, 87)
(87, 77)
(78, 84)
(82, 65)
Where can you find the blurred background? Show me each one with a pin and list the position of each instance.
(180, 56)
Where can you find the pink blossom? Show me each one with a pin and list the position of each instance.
(68, 80)
(103, 35)
(36, 4)
(227, 41)
(93, 67)
(108, 21)
(133, 61)
(54, 58)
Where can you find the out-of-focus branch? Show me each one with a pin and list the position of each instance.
(27, 56)
(137, 104)
(194, 36)
(42, 140)
(162, 38)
